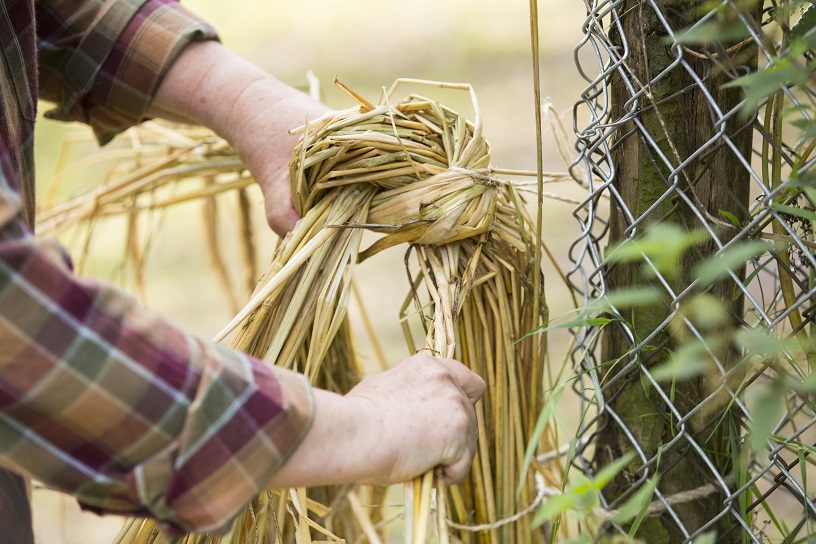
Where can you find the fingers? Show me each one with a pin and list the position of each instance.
(280, 212)
(457, 472)
(282, 219)
(457, 469)
(473, 386)
(468, 381)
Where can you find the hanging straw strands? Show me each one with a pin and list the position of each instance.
(418, 173)
(188, 159)
(161, 168)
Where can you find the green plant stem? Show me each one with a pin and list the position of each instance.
(773, 113)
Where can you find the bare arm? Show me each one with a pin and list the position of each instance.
(210, 85)
(391, 428)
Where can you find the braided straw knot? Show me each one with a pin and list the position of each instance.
(418, 173)
(421, 168)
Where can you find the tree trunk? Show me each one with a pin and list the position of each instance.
(676, 114)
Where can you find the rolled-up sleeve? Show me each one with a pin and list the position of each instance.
(101, 61)
(105, 400)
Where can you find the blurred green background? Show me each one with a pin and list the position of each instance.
(366, 44)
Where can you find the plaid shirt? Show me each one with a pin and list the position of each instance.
(100, 397)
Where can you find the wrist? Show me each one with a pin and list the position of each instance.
(342, 446)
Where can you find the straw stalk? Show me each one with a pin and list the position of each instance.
(419, 174)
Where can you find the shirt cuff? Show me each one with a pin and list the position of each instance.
(214, 477)
(117, 95)
(224, 457)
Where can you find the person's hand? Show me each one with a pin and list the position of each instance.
(258, 129)
(212, 86)
(422, 415)
(392, 427)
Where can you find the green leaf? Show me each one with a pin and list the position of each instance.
(803, 180)
(690, 359)
(553, 507)
(584, 322)
(729, 260)
(761, 342)
(639, 519)
(758, 86)
(605, 475)
(636, 503)
(804, 25)
(706, 311)
(802, 467)
(629, 297)
(662, 243)
(706, 538)
(636, 524)
(586, 497)
(731, 217)
(708, 32)
(794, 445)
(808, 128)
(541, 423)
(809, 383)
(807, 179)
(766, 411)
(580, 484)
(810, 215)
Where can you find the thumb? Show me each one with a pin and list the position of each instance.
(281, 218)
(468, 381)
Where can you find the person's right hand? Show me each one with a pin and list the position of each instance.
(423, 415)
(392, 427)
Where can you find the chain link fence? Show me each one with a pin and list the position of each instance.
(660, 140)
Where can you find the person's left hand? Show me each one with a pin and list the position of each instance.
(212, 86)
(259, 132)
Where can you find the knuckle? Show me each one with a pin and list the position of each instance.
(460, 422)
(482, 385)
(438, 373)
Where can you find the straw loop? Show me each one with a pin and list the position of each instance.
(429, 165)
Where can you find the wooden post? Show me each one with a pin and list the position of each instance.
(676, 114)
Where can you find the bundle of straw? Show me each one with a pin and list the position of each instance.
(160, 168)
(419, 173)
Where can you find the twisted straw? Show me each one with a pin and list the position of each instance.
(418, 173)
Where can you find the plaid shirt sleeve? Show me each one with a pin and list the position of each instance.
(101, 61)
(103, 399)
(99, 397)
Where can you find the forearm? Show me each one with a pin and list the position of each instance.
(106, 400)
(337, 449)
(212, 86)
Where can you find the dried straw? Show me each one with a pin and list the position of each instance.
(418, 173)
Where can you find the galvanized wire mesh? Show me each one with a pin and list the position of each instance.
(750, 496)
